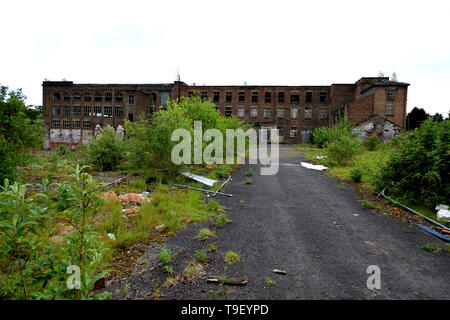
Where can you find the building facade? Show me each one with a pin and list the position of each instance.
(71, 111)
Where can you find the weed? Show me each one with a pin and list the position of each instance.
(164, 255)
(432, 247)
(212, 247)
(201, 255)
(270, 281)
(248, 181)
(367, 205)
(249, 173)
(340, 186)
(192, 270)
(204, 234)
(232, 257)
(169, 270)
(242, 203)
(221, 219)
(356, 174)
(127, 287)
(218, 293)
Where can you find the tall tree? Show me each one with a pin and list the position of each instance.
(416, 117)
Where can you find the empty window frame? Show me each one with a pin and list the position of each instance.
(241, 112)
(66, 124)
(267, 97)
(294, 98)
(390, 108)
(97, 111)
(323, 97)
(190, 94)
(76, 124)
(76, 110)
(204, 95)
(86, 124)
(66, 111)
(280, 97)
(293, 132)
(108, 96)
(255, 97)
(216, 96)
(254, 113)
(98, 97)
(107, 111)
(390, 94)
(87, 96)
(66, 96)
(308, 97)
(241, 97)
(56, 96)
(280, 113)
(87, 111)
(280, 131)
(118, 111)
(228, 112)
(294, 113)
(55, 123)
(77, 96)
(119, 97)
(56, 111)
(266, 113)
(130, 99)
(308, 113)
(228, 96)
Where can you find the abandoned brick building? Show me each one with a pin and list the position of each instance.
(72, 111)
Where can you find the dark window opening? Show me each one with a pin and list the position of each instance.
(228, 96)
(241, 96)
(77, 96)
(323, 97)
(66, 111)
(268, 97)
(108, 96)
(119, 97)
(254, 97)
(190, 94)
(308, 98)
(66, 96)
(295, 98)
(98, 97)
(87, 111)
(281, 97)
(216, 96)
(87, 97)
(204, 95)
(56, 96)
(130, 117)
(228, 112)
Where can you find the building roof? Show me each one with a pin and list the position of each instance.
(385, 83)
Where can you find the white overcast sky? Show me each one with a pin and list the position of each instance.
(228, 42)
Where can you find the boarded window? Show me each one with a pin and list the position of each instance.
(254, 113)
(294, 113)
(241, 112)
(254, 96)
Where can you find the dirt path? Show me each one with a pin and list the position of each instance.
(299, 221)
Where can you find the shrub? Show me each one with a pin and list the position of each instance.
(204, 234)
(221, 219)
(323, 136)
(104, 153)
(356, 174)
(343, 150)
(164, 255)
(418, 168)
(8, 161)
(201, 255)
(232, 257)
(371, 143)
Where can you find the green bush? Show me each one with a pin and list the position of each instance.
(418, 168)
(371, 143)
(104, 152)
(343, 150)
(323, 136)
(356, 174)
(8, 161)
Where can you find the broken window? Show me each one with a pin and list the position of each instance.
(268, 97)
(254, 97)
(119, 96)
(118, 111)
(98, 97)
(266, 113)
(66, 123)
(241, 96)
(390, 108)
(76, 124)
(216, 96)
(294, 113)
(77, 96)
(130, 99)
(66, 96)
(108, 96)
(280, 97)
(76, 110)
(66, 111)
(308, 97)
(87, 111)
(294, 98)
(241, 112)
(204, 95)
(108, 111)
(254, 113)
(280, 131)
(87, 96)
(55, 123)
(97, 111)
(308, 113)
(294, 132)
(228, 96)
(390, 94)
(228, 112)
(280, 113)
(86, 124)
(190, 94)
(56, 110)
(323, 97)
(56, 96)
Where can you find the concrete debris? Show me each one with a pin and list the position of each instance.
(131, 198)
(233, 282)
(131, 211)
(204, 180)
(313, 166)
(110, 195)
(320, 157)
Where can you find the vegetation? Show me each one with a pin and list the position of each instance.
(104, 153)
(164, 256)
(201, 255)
(270, 282)
(204, 234)
(232, 257)
(324, 136)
